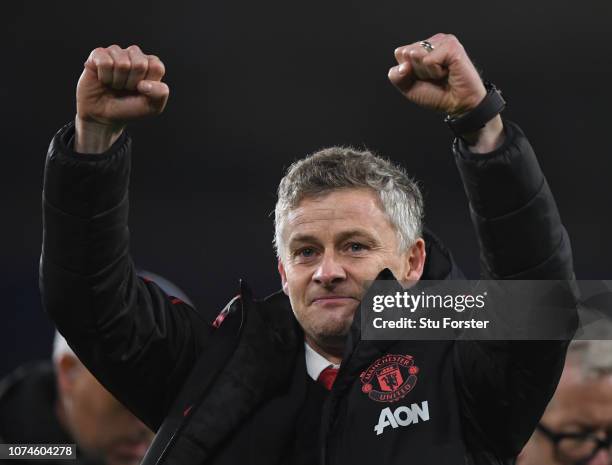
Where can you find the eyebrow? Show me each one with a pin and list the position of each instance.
(302, 238)
(343, 236)
(359, 233)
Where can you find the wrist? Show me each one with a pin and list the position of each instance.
(93, 136)
(488, 138)
(481, 128)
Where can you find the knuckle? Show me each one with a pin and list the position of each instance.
(123, 64)
(406, 50)
(101, 56)
(140, 66)
(114, 47)
(158, 67)
(105, 61)
(134, 48)
(454, 41)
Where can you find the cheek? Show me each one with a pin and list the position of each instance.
(82, 415)
(97, 408)
(368, 268)
(297, 279)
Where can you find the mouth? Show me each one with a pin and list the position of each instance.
(334, 300)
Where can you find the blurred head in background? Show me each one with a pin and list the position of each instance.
(99, 424)
(576, 427)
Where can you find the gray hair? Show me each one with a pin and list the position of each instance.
(592, 357)
(345, 167)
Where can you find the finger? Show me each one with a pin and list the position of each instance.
(402, 54)
(401, 76)
(426, 66)
(100, 62)
(156, 69)
(415, 54)
(156, 92)
(424, 92)
(139, 68)
(122, 66)
(399, 54)
(447, 51)
(436, 39)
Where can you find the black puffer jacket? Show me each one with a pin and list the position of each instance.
(248, 398)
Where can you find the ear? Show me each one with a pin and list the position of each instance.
(415, 261)
(68, 368)
(283, 275)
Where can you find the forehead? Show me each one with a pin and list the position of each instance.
(584, 401)
(338, 209)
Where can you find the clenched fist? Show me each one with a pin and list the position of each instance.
(439, 75)
(117, 85)
(442, 79)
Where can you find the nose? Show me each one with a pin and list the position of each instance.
(330, 271)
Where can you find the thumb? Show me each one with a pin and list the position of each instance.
(157, 93)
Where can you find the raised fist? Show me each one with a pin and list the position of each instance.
(438, 75)
(119, 85)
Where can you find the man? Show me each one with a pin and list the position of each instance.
(62, 403)
(240, 386)
(576, 427)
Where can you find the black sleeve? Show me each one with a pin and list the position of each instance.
(514, 213)
(504, 386)
(136, 340)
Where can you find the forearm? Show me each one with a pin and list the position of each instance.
(84, 229)
(514, 213)
(90, 289)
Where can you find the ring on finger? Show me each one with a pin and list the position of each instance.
(427, 45)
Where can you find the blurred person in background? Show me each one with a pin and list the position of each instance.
(61, 402)
(576, 428)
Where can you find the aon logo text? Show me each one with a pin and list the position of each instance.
(402, 416)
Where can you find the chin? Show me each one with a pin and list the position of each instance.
(333, 333)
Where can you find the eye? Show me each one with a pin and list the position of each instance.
(356, 247)
(306, 252)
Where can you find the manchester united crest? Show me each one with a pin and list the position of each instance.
(389, 378)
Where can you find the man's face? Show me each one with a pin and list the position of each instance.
(99, 424)
(332, 245)
(579, 405)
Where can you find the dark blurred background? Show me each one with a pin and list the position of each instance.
(255, 85)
